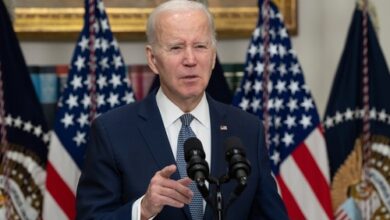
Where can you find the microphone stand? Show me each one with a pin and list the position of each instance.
(216, 202)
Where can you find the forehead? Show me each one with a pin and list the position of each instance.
(187, 23)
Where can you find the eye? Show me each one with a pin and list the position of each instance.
(201, 46)
(175, 48)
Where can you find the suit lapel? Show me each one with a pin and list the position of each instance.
(219, 132)
(153, 131)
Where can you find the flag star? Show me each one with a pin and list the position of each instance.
(83, 120)
(72, 101)
(88, 81)
(272, 33)
(115, 80)
(104, 45)
(288, 139)
(256, 33)
(282, 69)
(382, 115)
(261, 50)
(373, 113)
(102, 81)
(8, 120)
(275, 157)
(270, 104)
(280, 86)
(38, 131)
(348, 114)
(278, 104)
(277, 122)
(294, 86)
(338, 117)
(104, 24)
(244, 104)
(96, 27)
(273, 50)
(255, 104)
(307, 104)
(259, 68)
(290, 121)
(76, 82)
(305, 121)
(117, 61)
(295, 69)
(128, 98)
(97, 43)
(18, 122)
(282, 51)
(126, 80)
(46, 137)
(27, 126)
(257, 86)
(86, 101)
(79, 138)
(104, 63)
(252, 50)
(80, 63)
(100, 7)
(329, 122)
(114, 43)
(67, 120)
(113, 99)
(271, 67)
(249, 68)
(83, 43)
(247, 87)
(283, 33)
(292, 104)
(100, 100)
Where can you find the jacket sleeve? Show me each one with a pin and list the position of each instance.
(99, 187)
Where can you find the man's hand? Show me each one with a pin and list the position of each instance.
(164, 191)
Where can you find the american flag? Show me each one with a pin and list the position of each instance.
(103, 59)
(297, 148)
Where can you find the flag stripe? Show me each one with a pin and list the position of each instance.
(304, 195)
(51, 210)
(315, 143)
(58, 189)
(293, 210)
(70, 173)
(314, 177)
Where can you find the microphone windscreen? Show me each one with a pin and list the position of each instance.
(233, 143)
(190, 145)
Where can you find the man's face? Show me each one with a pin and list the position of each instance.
(183, 55)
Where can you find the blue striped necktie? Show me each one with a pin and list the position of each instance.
(196, 205)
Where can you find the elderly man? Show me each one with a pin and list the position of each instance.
(134, 162)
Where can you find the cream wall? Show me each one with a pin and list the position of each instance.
(323, 27)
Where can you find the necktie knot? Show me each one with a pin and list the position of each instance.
(186, 119)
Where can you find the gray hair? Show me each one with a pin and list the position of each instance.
(177, 5)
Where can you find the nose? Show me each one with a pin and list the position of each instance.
(189, 57)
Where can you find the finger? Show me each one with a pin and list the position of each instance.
(167, 171)
(185, 181)
(176, 195)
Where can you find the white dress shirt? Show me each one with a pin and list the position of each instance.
(170, 115)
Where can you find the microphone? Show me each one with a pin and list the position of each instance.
(197, 167)
(239, 166)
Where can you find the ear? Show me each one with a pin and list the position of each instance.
(151, 59)
(214, 59)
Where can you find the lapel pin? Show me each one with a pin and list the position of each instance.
(223, 128)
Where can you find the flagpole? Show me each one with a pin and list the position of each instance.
(265, 81)
(366, 142)
(92, 59)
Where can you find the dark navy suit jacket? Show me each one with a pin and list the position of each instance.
(129, 145)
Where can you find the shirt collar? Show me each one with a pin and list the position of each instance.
(170, 112)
